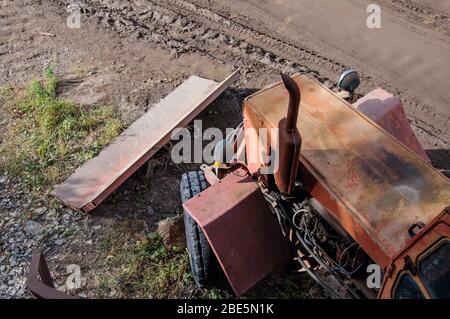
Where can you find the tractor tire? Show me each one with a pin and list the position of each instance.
(193, 183)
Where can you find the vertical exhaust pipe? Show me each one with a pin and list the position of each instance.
(289, 140)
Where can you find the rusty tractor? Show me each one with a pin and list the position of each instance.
(329, 185)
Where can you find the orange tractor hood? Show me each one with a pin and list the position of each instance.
(374, 186)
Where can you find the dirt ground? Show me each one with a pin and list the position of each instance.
(130, 54)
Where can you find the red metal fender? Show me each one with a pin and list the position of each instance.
(240, 228)
(387, 111)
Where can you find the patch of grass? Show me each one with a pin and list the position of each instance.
(216, 293)
(51, 136)
(142, 267)
(145, 268)
(6, 91)
(68, 233)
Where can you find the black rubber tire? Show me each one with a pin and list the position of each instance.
(193, 183)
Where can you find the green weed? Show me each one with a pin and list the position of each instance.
(51, 136)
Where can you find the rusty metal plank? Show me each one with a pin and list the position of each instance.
(99, 177)
(375, 186)
(240, 228)
(387, 111)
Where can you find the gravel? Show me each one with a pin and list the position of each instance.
(25, 228)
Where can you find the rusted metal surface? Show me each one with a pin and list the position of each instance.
(240, 228)
(100, 176)
(375, 187)
(290, 141)
(424, 242)
(387, 111)
(43, 288)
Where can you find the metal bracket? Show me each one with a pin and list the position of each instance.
(44, 288)
(211, 178)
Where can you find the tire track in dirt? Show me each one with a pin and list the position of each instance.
(430, 125)
(421, 14)
(244, 41)
(177, 31)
